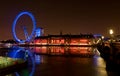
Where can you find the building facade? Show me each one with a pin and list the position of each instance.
(82, 39)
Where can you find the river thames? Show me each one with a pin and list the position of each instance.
(59, 61)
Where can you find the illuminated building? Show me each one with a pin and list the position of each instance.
(98, 38)
(82, 39)
(39, 32)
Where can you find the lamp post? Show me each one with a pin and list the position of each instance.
(111, 32)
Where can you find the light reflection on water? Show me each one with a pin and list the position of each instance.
(100, 66)
(61, 61)
(25, 54)
(57, 50)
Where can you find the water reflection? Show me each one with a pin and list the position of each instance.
(99, 65)
(57, 50)
(60, 61)
(26, 54)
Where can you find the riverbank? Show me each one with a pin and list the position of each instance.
(110, 52)
(10, 65)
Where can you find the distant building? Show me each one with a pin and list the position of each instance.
(39, 32)
(82, 39)
(98, 38)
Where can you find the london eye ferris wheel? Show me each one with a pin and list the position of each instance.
(26, 31)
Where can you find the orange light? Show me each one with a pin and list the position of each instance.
(84, 40)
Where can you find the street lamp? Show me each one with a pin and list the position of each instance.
(111, 32)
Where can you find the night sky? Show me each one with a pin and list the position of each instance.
(67, 16)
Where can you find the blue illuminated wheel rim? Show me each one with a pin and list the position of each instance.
(14, 27)
(29, 54)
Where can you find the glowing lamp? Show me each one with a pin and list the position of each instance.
(111, 31)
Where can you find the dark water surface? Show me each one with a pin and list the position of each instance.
(60, 61)
(71, 66)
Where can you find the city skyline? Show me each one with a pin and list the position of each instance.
(69, 17)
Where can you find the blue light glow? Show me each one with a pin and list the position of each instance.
(14, 27)
(17, 52)
(38, 32)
